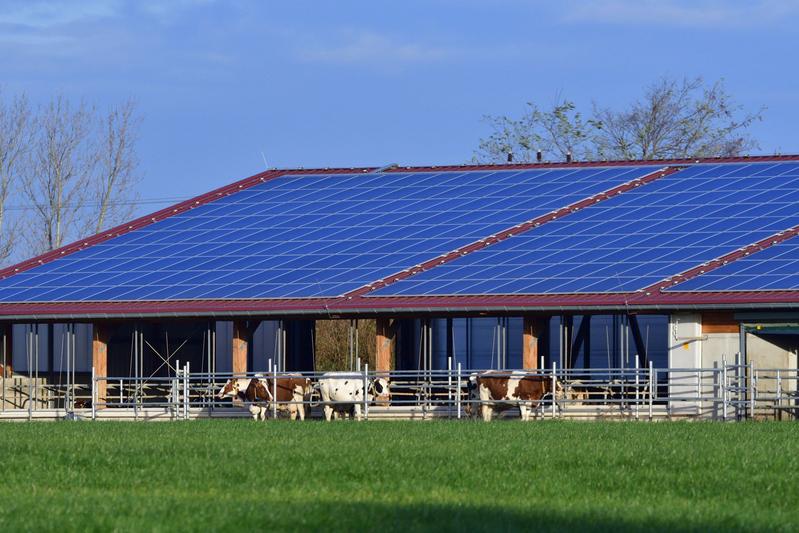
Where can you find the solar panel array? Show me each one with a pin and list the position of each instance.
(774, 268)
(309, 235)
(632, 240)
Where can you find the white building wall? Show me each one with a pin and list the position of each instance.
(685, 356)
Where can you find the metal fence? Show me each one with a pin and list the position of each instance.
(726, 392)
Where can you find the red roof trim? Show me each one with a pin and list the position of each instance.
(395, 304)
(719, 262)
(515, 230)
(613, 163)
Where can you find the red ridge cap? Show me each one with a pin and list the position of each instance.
(515, 230)
(609, 163)
(719, 262)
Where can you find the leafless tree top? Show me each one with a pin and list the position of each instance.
(672, 119)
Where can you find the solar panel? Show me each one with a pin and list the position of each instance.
(309, 235)
(630, 241)
(775, 268)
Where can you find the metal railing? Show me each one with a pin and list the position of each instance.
(724, 392)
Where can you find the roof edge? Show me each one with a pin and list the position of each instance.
(387, 305)
(162, 214)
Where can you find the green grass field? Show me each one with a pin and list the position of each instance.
(241, 475)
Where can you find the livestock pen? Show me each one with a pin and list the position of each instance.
(609, 278)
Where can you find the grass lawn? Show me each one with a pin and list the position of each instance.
(240, 475)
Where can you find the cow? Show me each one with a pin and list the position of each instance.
(257, 394)
(342, 392)
(497, 389)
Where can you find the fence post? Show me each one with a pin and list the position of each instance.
(699, 405)
(724, 388)
(637, 386)
(753, 390)
(458, 393)
(94, 394)
(186, 395)
(779, 395)
(274, 393)
(366, 391)
(554, 385)
(449, 387)
(652, 385)
(177, 385)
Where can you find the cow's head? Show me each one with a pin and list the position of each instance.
(232, 388)
(378, 387)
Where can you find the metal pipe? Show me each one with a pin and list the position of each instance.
(274, 393)
(724, 389)
(652, 387)
(458, 395)
(554, 385)
(94, 394)
(449, 387)
(366, 391)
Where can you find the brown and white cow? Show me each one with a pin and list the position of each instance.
(504, 389)
(293, 393)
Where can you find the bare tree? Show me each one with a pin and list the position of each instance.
(79, 173)
(116, 173)
(673, 119)
(561, 130)
(59, 172)
(15, 129)
(676, 120)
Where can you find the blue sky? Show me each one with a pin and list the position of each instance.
(370, 83)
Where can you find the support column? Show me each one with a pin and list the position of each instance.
(6, 345)
(242, 336)
(384, 339)
(100, 337)
(533, 330)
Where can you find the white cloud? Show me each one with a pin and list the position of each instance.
(48, 13)
(44, 14)
(373, 49)
(696, 13)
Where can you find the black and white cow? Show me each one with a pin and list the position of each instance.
(342, 392)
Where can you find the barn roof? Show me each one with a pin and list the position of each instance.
(602, 235)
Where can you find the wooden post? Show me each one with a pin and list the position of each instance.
(241, 341)
(384, 338)
(6, 364)
(100, 336)
(533, 329)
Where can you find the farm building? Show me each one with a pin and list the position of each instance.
(684, 273)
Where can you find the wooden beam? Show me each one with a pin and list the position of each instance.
(100, 337)
(533, 330)
(240, 343)
(384, 329)
(719, 322)
(6, 359)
